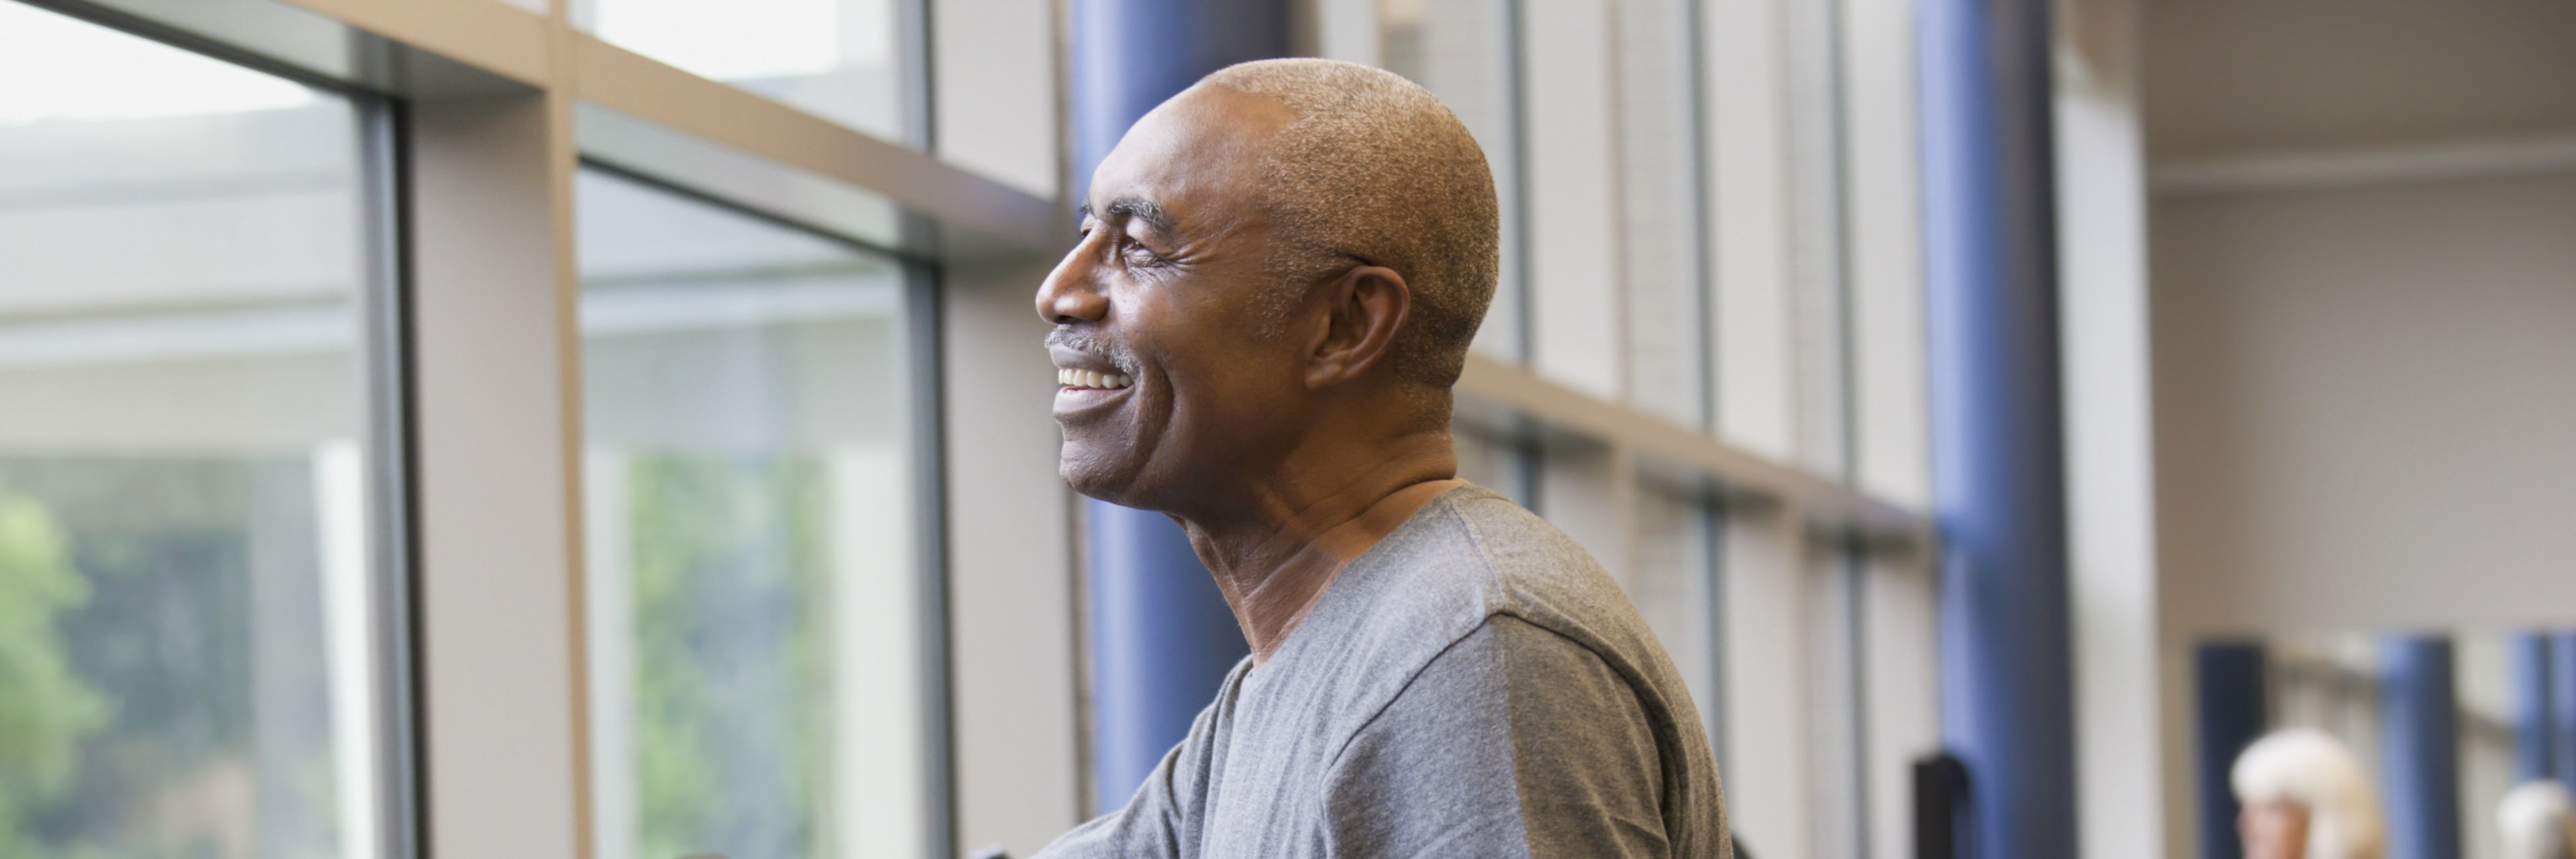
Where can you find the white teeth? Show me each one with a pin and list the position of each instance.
(1072, 378)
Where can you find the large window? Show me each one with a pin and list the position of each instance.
(849, 61)
(1663, 268)
(189, 555)
(1676, 589)
(759, 664)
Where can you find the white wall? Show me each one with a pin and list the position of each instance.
(2365, 405)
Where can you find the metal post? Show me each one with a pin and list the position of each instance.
(2421, 713)
(2534, 752)
(2231, 712)
(2562, 705)
(2007, 707)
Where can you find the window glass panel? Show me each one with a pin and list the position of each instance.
(1493, 463)
(1464, 51)
(1675, 587)
(756, 639)
(1820, 292)
(1660, 180)
(186, 666)
(844, 60)
(1837, 702)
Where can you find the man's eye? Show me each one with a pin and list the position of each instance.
(1139, 255)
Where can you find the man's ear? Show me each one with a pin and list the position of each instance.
(1362, 310)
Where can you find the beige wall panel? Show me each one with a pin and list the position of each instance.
(993, 74)
(496, 563)
(1013, 654)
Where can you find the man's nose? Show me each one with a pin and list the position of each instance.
(1070, 294)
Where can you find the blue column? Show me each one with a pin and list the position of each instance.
(2420, 715)
(1130, 55)
(2006, 704)
(2562, 704)
(1162, 638)
(2534, 752)
(2229, 679)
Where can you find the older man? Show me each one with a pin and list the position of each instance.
(1278, 275)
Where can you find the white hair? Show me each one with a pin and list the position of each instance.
(2539, 821)
(2307, 768)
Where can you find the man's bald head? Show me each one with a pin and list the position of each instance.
(1373, 169)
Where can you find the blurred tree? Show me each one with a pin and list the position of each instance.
(46, 711)
(732, 684)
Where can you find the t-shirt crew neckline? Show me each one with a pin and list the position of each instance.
(1327, 611)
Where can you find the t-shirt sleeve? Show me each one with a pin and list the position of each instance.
(1513, 742)
(1156, 820)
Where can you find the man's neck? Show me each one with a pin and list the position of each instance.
(1274, 558)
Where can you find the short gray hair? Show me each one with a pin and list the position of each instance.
(2309, 768)
(1374, 169)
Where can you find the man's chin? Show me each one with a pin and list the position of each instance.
(1099, 481)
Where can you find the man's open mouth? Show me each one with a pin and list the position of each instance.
(1089, 379)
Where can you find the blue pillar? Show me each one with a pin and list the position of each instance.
(2562, 704)
(1999, 494)
(1162, 638)
(1130, 55)
(2420, 713)
(2230, 703)
(2534, 752)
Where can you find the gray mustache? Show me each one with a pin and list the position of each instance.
(1092, 344)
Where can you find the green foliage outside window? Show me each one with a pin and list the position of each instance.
(732, 689)
(45, 709)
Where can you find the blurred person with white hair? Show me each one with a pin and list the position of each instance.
(2305, 797)
(2539, 821)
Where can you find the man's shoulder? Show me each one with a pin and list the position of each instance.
(1503, 563)
(1517, 564)
(1470, 557)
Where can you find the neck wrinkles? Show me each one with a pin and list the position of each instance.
(1275, 561)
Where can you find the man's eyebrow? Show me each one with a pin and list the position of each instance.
(1141, 209)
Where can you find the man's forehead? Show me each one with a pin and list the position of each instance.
(1204, 146)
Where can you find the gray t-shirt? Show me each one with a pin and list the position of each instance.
(1473, 685)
